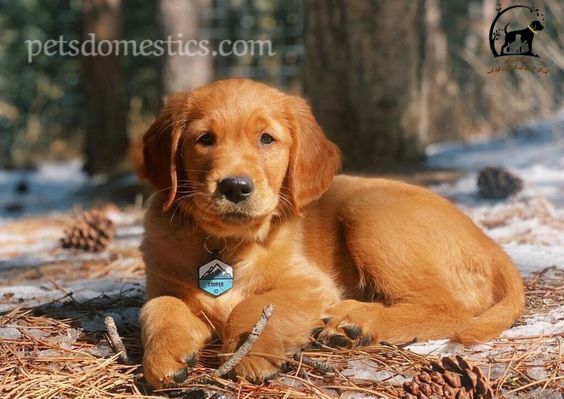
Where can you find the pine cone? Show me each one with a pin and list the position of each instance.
(497, 183)
(448, 378)
(90, 231)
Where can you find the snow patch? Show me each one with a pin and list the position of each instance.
(368, 370)
(542, 325)
(532, 258)
(10, 333)
(50, 187)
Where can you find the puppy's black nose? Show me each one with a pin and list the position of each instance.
(236, 189)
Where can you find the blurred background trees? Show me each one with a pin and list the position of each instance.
(363, 74)
(385, 78)
(186, 18)
(104, 88)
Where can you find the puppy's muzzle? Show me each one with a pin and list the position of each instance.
(236, 189)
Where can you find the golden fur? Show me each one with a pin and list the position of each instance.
(396, 260)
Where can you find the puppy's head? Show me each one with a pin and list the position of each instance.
(236, 152)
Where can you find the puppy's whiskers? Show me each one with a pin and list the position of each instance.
(286, 207)
(206, 210)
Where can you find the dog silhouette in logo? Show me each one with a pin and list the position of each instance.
(526, 37)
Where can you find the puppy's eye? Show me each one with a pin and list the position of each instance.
(266, 138)
(206, 139)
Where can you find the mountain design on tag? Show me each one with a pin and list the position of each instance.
(216, 277)
(216, 272)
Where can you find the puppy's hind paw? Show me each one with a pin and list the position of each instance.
(343, 336)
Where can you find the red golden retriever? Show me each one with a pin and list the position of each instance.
(246, 175)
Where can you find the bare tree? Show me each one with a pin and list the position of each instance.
(364, 75)
(183, 20)
(106, 134)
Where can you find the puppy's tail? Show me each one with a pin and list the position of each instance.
(509, 290)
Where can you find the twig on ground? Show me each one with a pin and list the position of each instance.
(248, 344)
(324, 367)
(400, 345)
(115, 339)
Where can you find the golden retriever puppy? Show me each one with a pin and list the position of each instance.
(249, 213)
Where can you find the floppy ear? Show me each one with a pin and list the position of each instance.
(160, 147)
(314, 160)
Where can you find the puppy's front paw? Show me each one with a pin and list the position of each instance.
(168, 358)
(257, 369)
(262, 363)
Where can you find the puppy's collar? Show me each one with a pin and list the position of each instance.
(215, 277)
(215, 251)
(531, 29)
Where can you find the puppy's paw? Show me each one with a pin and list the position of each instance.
(262, 363)
(168, 358)
(346, 326)
(257, 369)
(343, 336)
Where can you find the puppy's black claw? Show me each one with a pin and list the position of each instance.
(316, 331)
(286, 367)
(180, 376)
(339, 341)
(353, 332)
(191, 360)
(264, 380)
(366, 340)
(326, 320)
(271, 377)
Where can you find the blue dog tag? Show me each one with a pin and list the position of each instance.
(215, 277)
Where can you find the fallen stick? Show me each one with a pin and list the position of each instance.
(115, 339)
(324, 367)
(400, 345)
(248, 344)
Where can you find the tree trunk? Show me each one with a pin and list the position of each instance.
(184, 73)
(363, 75)
(106, 132)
